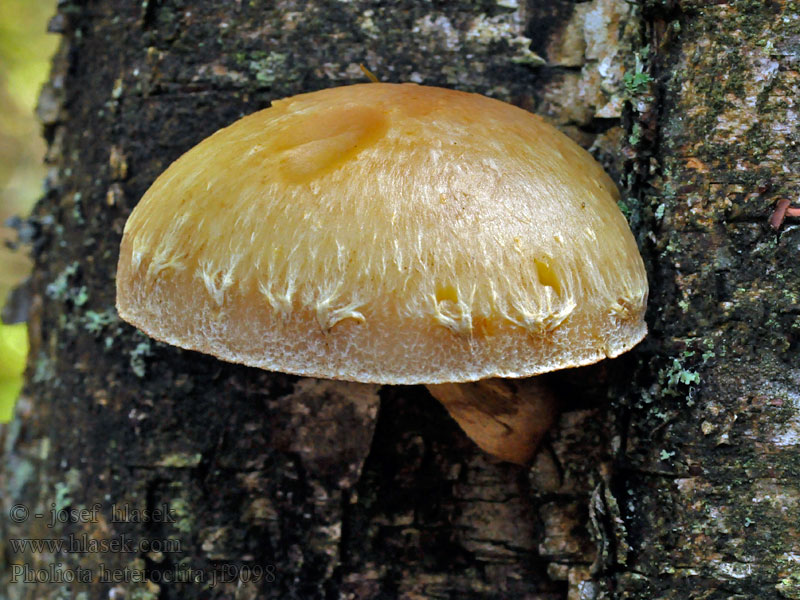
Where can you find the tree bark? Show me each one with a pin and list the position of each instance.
(707, 486)
(671, 471)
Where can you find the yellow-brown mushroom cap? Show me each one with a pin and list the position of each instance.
(387, 233)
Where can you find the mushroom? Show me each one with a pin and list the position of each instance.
(392, 234)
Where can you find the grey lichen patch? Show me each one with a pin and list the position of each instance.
(43, 369)
(460, 37)
(96, 322)
(678, 380)
(367, 24)
(62, 287)
(64, 489)
(62, 496)
(77, 211)
(508, 28)
(637, 83)
(266, 67)
(441, 27)
(21, 476)
(137, 356)
(782, 430)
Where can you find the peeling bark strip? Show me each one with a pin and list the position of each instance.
(684, 487)
(783, 209)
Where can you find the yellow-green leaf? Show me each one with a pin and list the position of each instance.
(9, 392)
(13, 349)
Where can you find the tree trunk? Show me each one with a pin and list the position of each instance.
(707, 486)
(671, 472)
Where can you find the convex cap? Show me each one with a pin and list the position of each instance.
(386, 233)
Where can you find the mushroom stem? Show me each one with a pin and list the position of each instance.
(505, 417)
